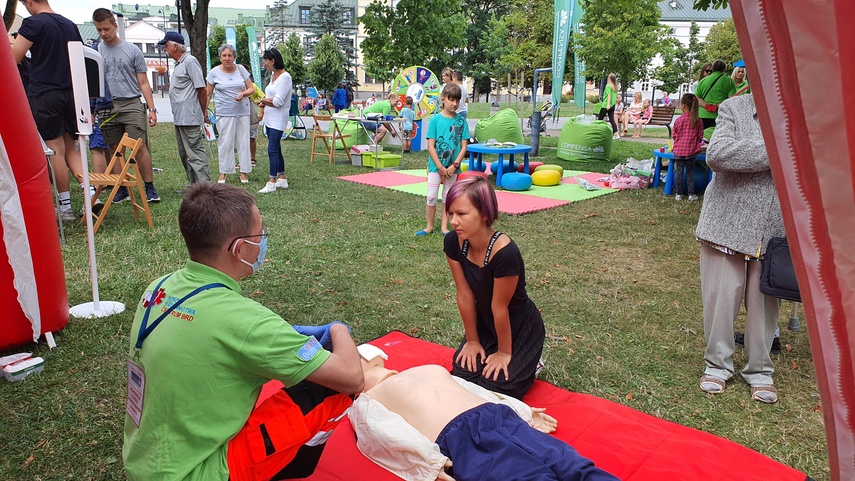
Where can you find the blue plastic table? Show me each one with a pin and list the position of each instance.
(481, 149)
(669, 178)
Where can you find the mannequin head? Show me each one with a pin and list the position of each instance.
(373, 361)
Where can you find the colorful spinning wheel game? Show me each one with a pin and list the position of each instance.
(422, 85)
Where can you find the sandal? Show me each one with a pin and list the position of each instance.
(764, 394)
(712, 385)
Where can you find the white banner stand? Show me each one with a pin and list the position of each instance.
(76, 58)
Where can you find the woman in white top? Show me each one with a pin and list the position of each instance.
(232, 86)
(275, 108)
(633, 112)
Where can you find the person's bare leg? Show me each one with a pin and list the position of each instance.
(99, 159)
(57, 161)
(443, 227)
(430, 212)
(144, 161)
(381, 132)
(253, 149)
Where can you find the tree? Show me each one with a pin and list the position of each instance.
(197, 27)
(330, 17)
(327, 68)
(416, 32)
(218, 38)
(530, 31)
(721, 43)
(293, 54)
(620, 38)
(476, 59)
(496, 54)
(276, 27)
(679, 62)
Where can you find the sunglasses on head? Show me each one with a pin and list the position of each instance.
(707, 71)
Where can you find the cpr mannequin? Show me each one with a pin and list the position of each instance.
(414, 423)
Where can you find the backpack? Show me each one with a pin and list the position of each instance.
(778, 278)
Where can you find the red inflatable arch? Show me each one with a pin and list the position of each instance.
(800, 62)
(32, 279)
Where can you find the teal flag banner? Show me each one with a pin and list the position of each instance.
(231, 39)
(560, 42)
(208, 53)
(254, 55)
(579, 81)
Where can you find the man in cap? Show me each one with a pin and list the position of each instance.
(188, 97)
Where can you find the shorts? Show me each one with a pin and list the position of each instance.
(406, 134)
(370, 126)
(128, 116)
(53, 112)
(96, 140)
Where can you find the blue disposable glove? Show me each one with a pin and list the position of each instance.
(321, 333)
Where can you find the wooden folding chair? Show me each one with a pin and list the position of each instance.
(328, 139)
(128, 178)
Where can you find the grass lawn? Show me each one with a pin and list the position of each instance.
(616, 278)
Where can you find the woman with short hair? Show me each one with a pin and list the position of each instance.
(230, 86)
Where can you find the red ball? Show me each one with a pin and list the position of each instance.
(471, 173)
(531, 166)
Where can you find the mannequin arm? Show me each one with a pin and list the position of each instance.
(535, 417)
(387, 439)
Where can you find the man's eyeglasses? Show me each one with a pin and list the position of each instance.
(264, 233)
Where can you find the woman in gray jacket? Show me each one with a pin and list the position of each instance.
(739, 215)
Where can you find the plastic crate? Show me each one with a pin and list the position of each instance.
(382, 160)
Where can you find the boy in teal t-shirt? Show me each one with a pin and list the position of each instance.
(447, 137)
(409, 116)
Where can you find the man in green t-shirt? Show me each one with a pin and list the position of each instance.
(384, 108)
(200, 353)
(712, 90)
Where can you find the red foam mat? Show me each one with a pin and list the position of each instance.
(629, 444)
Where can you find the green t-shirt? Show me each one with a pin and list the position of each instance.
(614, 95)
(742, 86)
(204, 367)
(383, 106)
(448, 134)
(714, 92)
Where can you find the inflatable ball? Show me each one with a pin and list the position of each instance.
(516, 181)
(508, 166)
(554, 167)
(544, 178)
(471, 173)
(531, 166)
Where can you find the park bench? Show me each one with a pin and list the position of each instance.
(662, 115)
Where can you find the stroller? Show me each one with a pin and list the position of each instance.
(546, 114)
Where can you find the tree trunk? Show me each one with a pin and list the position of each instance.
(197, 27)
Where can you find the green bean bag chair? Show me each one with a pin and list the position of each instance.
(585, 141)
(503, 126)
(358, 136)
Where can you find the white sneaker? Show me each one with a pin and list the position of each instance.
(281, 183)
(693, 197)
(678, 197)
(268, 188)
(616, 136)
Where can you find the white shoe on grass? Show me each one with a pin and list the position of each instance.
(281, 183)
(268, 188)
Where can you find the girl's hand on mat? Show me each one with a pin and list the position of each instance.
(496, 363)
(442, 476)
(543, 422)
(468, 357)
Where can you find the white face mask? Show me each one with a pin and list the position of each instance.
(262, 251)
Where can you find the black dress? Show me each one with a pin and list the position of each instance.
(527, 331)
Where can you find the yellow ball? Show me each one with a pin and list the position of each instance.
(556, 168)
(546, 177)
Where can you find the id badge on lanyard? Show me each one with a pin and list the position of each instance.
(136, 372)
(136, 391)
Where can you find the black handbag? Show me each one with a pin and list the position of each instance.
(779, 275)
